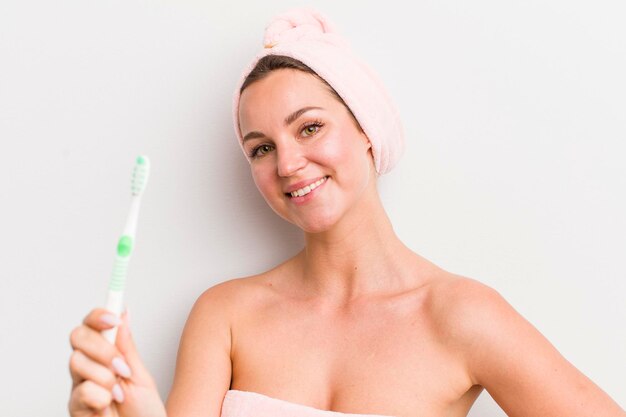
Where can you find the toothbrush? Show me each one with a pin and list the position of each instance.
(125, 245)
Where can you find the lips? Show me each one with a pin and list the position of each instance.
(303, 188)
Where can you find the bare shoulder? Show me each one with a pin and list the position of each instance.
(204, 364)
(460, 309)
(451, 291)
(223, 296)
(229, 303)
(220, 304)
(459, 303)
(506, 354)
(234, 295)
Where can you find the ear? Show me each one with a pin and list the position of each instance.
(370, 151)
(366, 140)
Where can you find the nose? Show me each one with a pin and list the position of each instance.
(289, 160)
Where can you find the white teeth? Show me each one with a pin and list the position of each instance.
(308, 188)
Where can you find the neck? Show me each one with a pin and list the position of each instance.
(361, 256)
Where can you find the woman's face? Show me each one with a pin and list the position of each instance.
(309, 159)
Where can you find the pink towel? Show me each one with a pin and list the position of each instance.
(251, 404)
(308, 36)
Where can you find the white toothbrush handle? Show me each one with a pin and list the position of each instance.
(115, 304)
(115, 295)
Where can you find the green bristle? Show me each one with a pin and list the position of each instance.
(140, 175)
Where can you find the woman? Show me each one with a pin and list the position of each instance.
(356, 322)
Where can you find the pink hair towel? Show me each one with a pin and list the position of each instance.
(306, 35)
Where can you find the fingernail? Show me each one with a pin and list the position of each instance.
(110, 319)
(118, 394)
(121, 367)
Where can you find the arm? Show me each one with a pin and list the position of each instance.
(203, 366)
(518, 366)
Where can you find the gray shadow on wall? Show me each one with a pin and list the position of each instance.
(260, 236)
(257, 233)
(237, 235)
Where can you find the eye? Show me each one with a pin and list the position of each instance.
(260, 150)
(311, 129)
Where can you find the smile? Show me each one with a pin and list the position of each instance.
(305, 190)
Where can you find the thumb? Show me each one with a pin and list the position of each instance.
(126, 345)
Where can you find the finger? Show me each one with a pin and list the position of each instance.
(108, 412)
(126, 345)
(97, 348)
(89, 395)
(101, 319)
(83, 368)
(76, 378)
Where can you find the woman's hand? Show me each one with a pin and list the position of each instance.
(109, 380)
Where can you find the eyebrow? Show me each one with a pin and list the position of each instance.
(288, 120)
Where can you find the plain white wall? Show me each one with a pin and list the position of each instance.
(513, 175)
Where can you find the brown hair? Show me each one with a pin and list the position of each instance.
(270, 63)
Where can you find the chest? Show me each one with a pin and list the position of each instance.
(382, 358)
